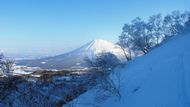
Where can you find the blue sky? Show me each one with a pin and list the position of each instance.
(60, 25)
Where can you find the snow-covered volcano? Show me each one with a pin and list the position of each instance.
(97, 46)
(76, 57)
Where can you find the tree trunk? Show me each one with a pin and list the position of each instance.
(128, 58)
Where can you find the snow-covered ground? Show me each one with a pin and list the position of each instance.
(19, 70)
(159, 79)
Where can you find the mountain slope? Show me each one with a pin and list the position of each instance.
(76, 57)
(159, 79)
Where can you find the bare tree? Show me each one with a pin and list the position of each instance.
(142, 40)
(143, 36)
(126, 41)
(155, 27)
(104, 65)
(174, 23)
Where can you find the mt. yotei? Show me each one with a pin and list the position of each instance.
(76, 57)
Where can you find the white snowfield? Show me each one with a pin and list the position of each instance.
(159, 79)
(19, 70)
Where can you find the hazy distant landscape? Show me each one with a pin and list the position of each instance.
(101, 53)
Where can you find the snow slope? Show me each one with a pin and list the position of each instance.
(159, 79)
(76, 57)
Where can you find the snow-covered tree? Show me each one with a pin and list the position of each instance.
(185, 16)
(126, 41)
(187, 26)
(1, 63)
(174, 23)
(155, 27)
(6, 66)
(104, 61)
(142, 36)
(169, 28)
(141, 39)
(136, 37)
(188, 22)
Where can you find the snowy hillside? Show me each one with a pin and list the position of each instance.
(76, 57)
(159, 79)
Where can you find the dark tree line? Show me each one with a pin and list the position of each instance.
(140, 36)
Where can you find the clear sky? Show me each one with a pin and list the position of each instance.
(60, 25)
